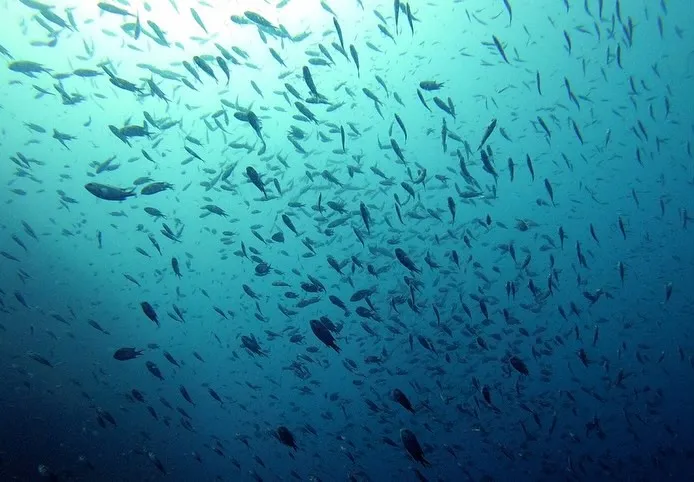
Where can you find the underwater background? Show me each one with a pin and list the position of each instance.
(347, 240)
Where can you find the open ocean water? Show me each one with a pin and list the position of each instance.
(347, 240)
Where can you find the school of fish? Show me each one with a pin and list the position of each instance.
(358, 240)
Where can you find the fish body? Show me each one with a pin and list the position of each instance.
(286, 437)
(412, 446)
(109, 8)
(398, 396)
(430, 85)
(406, 261)
(155, 187)
(488, 132)
(27, 67)
(500, 48)
(254, 177)
(198, 20)
(148, 310)
(355, 58)
(322, 332)
(204, 66)
(109, 193)
(154, 370)
(126, 353)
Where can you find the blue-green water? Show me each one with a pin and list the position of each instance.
(530, 162)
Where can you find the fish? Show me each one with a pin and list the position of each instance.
(398, 396)
(510, 12)
(286, 437)
(110, 8)
(40, 359)
(500, 48)
(531, 169)
(200, 62)
(519, 365)
(109, 193)
(148, 310)
(198, 20)
(488, 132)
(323, 333)
(412, 446)
(421, 98)
(355, 58)
(430, 85)
(126, 353)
